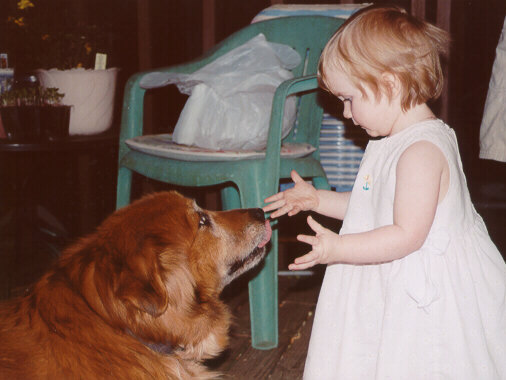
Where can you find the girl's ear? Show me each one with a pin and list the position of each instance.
(392, 84)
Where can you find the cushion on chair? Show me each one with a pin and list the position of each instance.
(163, 146)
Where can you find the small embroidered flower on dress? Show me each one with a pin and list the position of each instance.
(368, 182)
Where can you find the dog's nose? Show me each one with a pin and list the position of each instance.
(257, 213)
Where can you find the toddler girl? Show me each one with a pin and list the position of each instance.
(414, 287)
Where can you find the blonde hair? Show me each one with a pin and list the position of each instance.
(380, 40)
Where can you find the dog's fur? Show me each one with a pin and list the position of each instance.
(137, 299)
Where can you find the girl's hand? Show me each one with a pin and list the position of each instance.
(302, 197)
(323, 244)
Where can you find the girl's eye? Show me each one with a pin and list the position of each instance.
(204, 220)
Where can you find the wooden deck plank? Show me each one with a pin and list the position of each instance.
(260, 364)
(297, 301)
(291, 363)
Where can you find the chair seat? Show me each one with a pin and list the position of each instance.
(162, 145)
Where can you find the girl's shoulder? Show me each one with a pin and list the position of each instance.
(434, 131)
(389, 149)
(436, 127)
(432, 127)
(440, 135)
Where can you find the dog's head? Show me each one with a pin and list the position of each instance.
(166, 260)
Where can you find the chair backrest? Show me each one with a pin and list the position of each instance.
(308, 36)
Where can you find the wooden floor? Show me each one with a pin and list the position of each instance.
(297, 302)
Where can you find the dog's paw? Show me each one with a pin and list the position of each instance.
(208, 348)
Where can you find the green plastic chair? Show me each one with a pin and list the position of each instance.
(246, 182)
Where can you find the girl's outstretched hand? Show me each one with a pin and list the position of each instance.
(302, 197)
(323, 244)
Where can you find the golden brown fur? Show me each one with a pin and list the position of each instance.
(137, 299)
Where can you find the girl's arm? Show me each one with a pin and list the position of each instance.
(304, 197)
(422, 178)
(332, 203)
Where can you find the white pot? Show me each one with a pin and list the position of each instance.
(89, 92)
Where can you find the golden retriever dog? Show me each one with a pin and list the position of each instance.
(137, 299)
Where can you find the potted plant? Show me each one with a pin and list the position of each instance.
(30, 113)
(90, 92)
(20, 114)
(54, 115)
(62, 53)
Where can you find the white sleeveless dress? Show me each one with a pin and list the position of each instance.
(439, 312)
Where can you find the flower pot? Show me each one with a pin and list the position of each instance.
(54, 121)
(21, 122)
(89, 92)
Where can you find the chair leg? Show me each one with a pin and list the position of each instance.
(124, 187)
(263, 299)
(263, 288)
(230, 198)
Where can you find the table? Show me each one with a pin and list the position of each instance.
(74, 175)
(79, 142)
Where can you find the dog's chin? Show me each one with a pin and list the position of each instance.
(240, 266)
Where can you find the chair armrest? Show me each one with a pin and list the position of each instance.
(296, 85)
(288, 87)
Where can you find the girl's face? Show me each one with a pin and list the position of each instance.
(376, 116)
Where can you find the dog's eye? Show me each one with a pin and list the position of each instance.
(204, 220)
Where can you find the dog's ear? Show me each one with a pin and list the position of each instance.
(155, 276)
(142, 284)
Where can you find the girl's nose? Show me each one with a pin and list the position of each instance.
(347, 110)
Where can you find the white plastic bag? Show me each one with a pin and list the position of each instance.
(231, 98)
